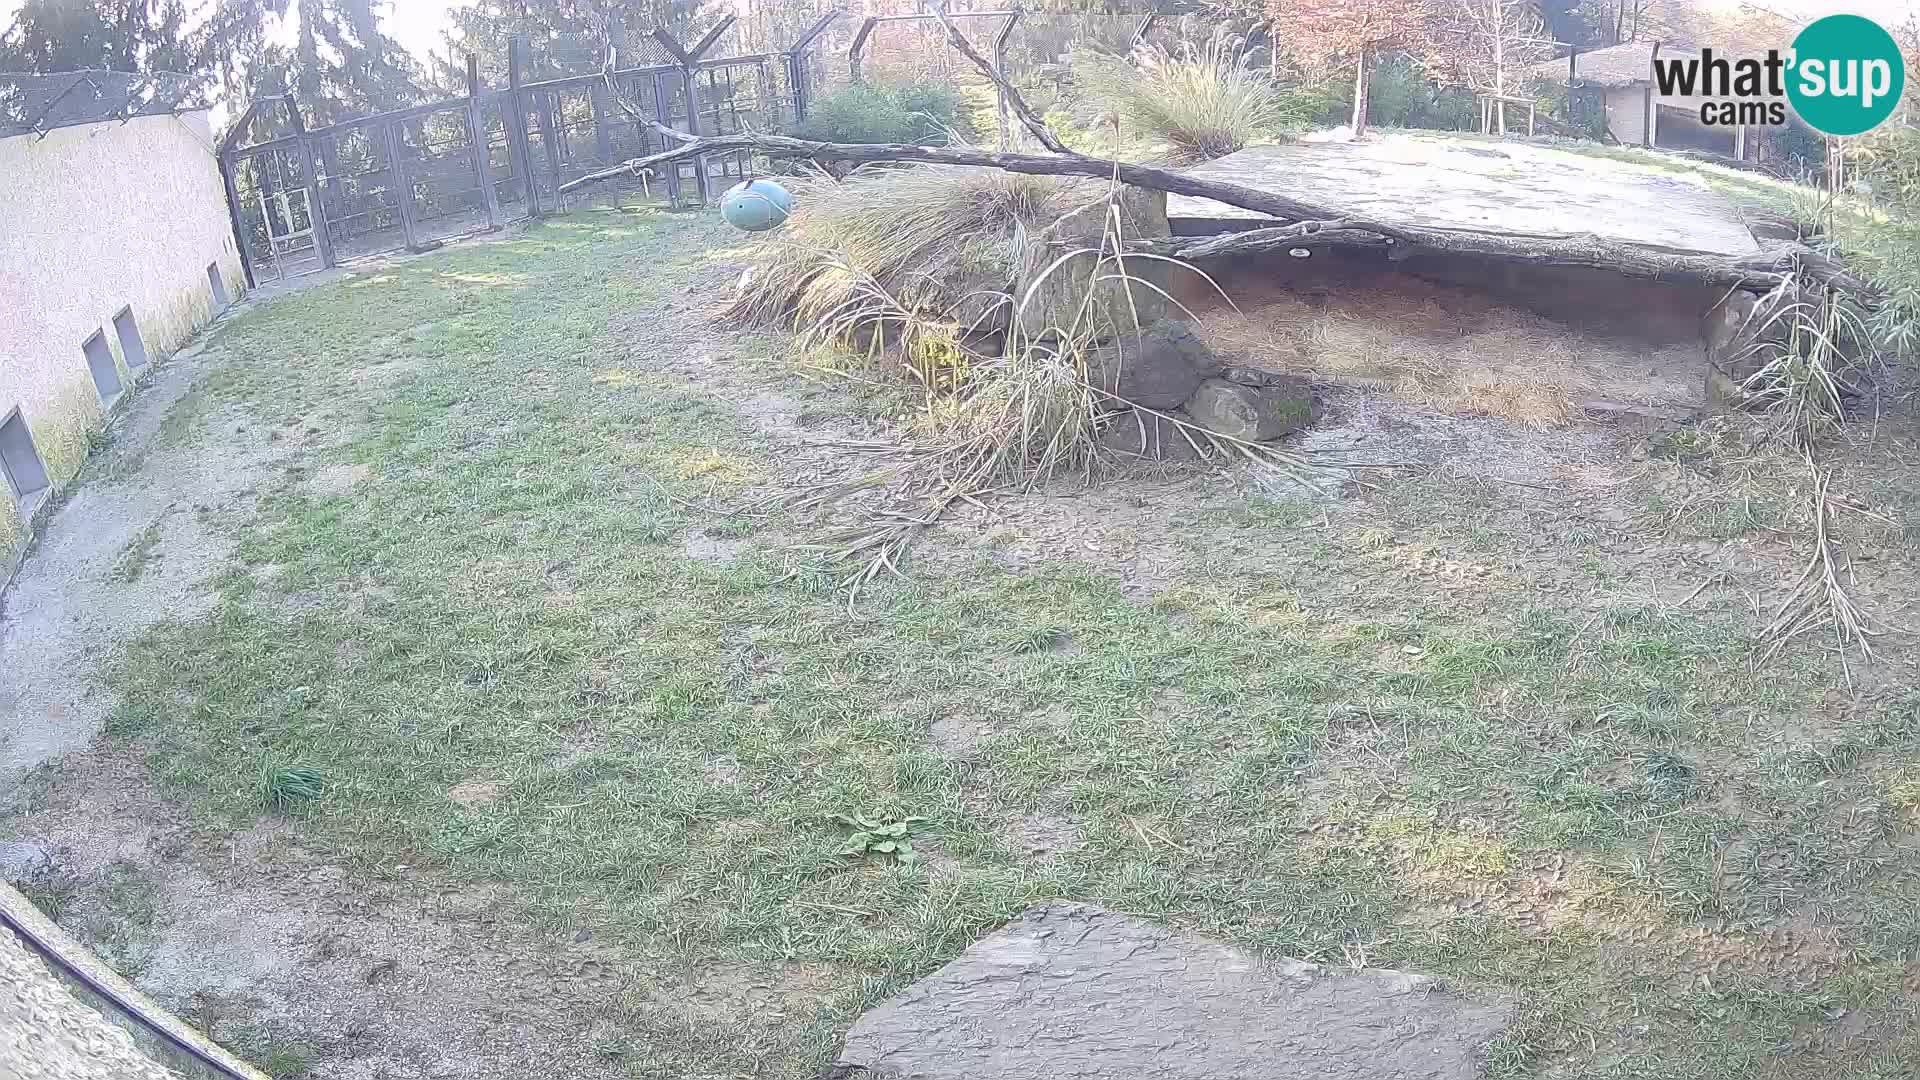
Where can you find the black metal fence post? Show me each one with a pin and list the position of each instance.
(477, 132)
(316, 211)
(401, 186)
(797, 61)
(1000, 65)
(514, 112)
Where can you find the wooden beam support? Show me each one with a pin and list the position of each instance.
(672, 45)
(1000, 64)
(1011, 94)
(859, 46)
(543, 116)
(664, 119)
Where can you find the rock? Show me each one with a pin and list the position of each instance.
(1158, 367)
(1252, 413)
(1075, 990)
(1149, 436)
(1723, 390)
(1056, 303)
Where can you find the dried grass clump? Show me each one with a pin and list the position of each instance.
(1008, 421)
(1201, 101)
(1495, 362)
(892, 257)
(1810, 343)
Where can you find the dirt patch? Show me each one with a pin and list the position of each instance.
(476, 793)
(384, 968)
(714, 549)
(73, 602)
(338, 479)
(1043, 836)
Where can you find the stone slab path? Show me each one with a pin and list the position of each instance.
(1073, 990)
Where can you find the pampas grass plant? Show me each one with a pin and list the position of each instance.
(1200, 101)
(1005, 422)
(915, 259)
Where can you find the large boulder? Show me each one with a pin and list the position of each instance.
(1151, 436)
(1118, 306)
(1157, 367)
(1282, 406)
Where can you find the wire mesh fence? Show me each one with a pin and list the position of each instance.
(408, 179)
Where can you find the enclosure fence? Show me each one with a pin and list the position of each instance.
(412, 178)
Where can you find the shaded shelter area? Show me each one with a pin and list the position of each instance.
(1460, 331)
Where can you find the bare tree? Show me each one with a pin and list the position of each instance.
(1354, 32)
(1489, 42)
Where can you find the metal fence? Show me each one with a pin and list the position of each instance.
(414, 177)
(411, 178)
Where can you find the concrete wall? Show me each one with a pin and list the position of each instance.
(1626, 114)
(1678, 124)
(93, 219)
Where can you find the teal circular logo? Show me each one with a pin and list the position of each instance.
(1847, 75)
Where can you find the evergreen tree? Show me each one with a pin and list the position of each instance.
(339, 64)
(571, 37)
(144, 36)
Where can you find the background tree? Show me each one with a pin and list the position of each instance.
(144, 36)
(569, 37)
(338, 65)
(1486, 43)
(337, 61)
(1355, 32)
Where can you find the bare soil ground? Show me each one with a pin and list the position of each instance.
(483, 539)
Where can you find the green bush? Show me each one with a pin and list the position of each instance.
(904, 113)
(1398, 95)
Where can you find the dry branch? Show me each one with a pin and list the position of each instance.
(1028, 118)
(1314, 224)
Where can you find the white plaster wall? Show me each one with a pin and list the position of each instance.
(1627, 114)
(92, 219)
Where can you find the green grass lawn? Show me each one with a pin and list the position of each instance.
(1547, 781)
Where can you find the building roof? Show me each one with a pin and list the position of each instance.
(1615, 65)
(41, 103)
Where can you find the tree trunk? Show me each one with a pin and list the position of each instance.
(1360, 93)
(1500, 62)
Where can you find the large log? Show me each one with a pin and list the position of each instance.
(1760, 271)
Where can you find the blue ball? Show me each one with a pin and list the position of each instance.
(756, 205)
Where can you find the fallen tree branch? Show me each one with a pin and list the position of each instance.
(1760, 271)
(620, 102)
(1311, 224)
(1028, 118)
